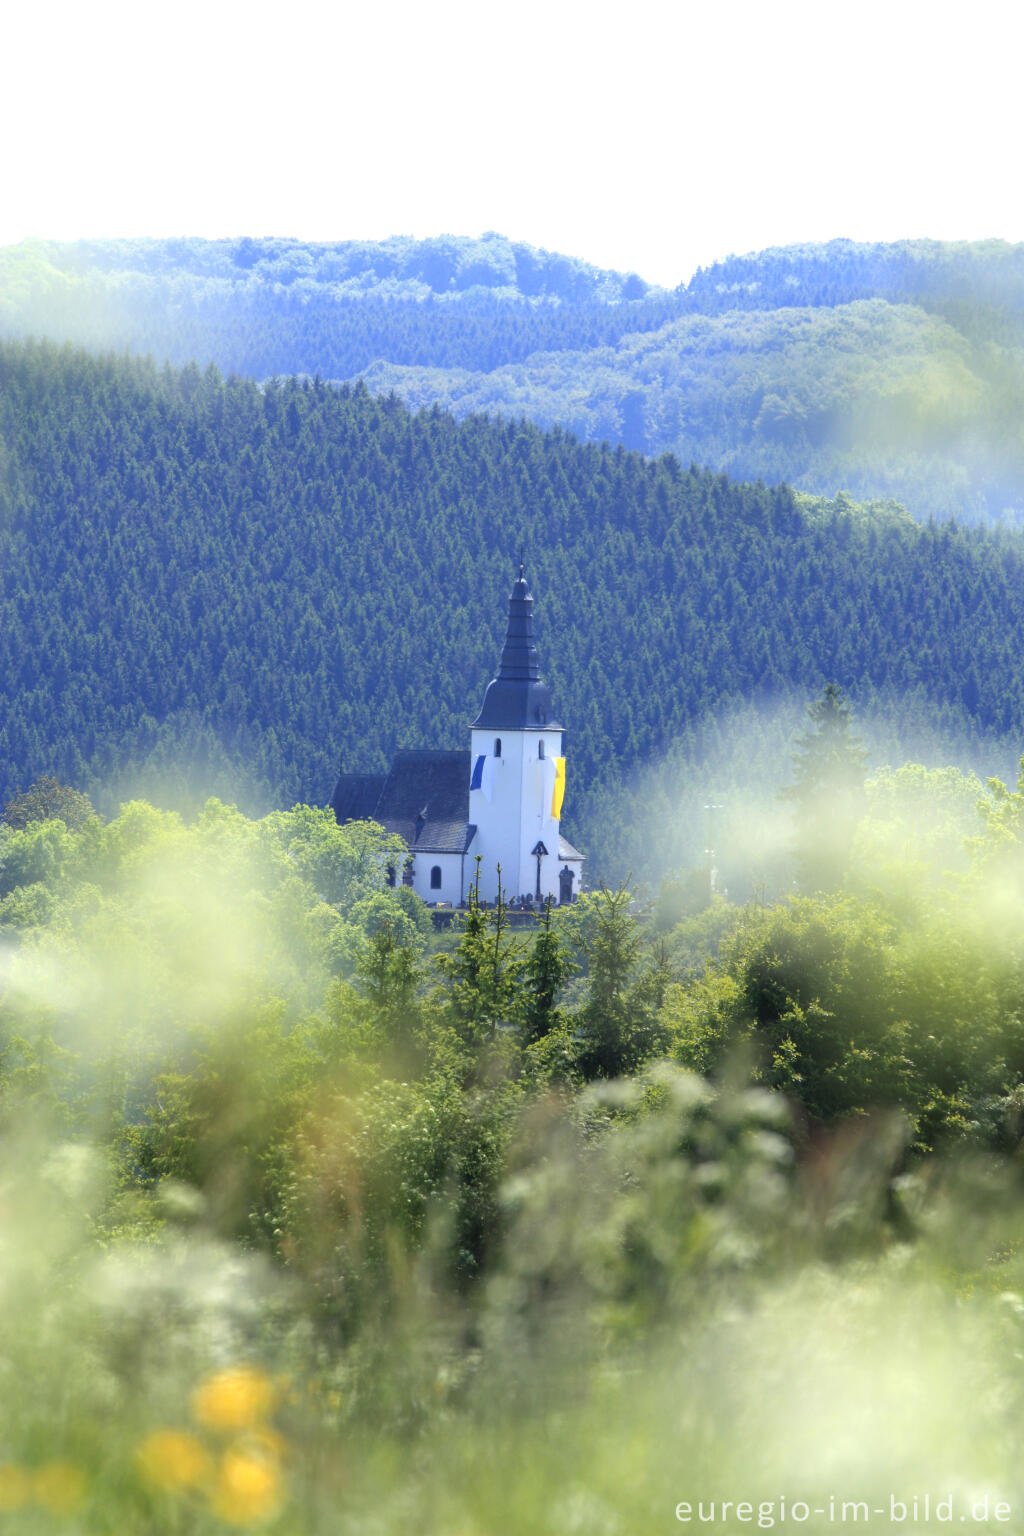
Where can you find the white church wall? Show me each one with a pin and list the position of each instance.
(450, 866)
(512, 811)
(538, 825)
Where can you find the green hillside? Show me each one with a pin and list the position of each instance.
(867, 395)
(209, 587)
(261, 307)
(885, 370)
(972, 278)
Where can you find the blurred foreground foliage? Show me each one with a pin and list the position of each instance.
(309, 1228)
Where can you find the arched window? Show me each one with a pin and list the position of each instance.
(497, 746)
(540, 749)
(435, 878)
(391, 874)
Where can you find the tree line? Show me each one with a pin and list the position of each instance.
(887, 370)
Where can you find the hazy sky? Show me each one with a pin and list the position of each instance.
(639, 136)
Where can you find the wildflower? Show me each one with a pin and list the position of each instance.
(171, 1458)
(59, 1487)
(248, 1487)
(236, 1398)
(15, 1487)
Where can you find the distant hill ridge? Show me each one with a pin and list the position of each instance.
(886, 370)
(444, 265)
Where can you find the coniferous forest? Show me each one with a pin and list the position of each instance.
(884, 370)
(215, 587)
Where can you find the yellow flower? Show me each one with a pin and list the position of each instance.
(170, 1458)
(15, 1487)
(248, 1487)
(59, 1487)
(235, 1398)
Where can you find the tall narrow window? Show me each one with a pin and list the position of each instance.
(391, 874)
(497, 746)
(435, 878)
(540, 749)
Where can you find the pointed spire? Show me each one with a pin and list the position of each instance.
(519, 653)
(518, 698)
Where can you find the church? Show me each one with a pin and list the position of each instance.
(500, 801)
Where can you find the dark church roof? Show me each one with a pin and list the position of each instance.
(445, 837)
(356, 795)
(424, 798)
(518, 699)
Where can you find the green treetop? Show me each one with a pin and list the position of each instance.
(827, 792)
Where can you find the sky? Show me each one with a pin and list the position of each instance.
(646, 137)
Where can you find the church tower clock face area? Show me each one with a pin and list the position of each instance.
(517, 777)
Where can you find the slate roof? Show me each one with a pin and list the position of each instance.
(518, 698)
(424, 798)
(566, 849)
(434, 782)
(445, 836)
(355, 796)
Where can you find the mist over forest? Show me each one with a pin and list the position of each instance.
(884, 370)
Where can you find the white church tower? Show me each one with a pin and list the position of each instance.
(517, 775)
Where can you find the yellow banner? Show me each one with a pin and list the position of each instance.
(559, 792)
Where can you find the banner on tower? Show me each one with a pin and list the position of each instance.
(483, 775)
(558, 794)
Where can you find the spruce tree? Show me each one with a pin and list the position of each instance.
(389, 980)
(611, 1035)
(482, 972)
(827, 793)
(547, 968)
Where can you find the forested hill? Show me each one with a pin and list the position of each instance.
(265, 307)
(211, 587)
(886, 370)
(970, 280)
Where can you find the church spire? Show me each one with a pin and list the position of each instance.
(518, 698)
(519, 653)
